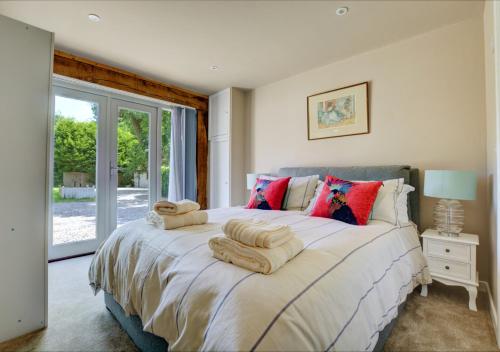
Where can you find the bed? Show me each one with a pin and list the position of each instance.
(341, 293)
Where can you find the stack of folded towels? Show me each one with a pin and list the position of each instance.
(256, 245)
(171, 215)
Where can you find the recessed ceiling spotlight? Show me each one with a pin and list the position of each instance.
(214, 67)
(341, 11)
(94, 18)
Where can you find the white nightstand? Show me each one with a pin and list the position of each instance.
(452, 261)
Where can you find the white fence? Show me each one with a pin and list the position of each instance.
(77, 192)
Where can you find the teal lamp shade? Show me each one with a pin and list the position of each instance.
(450, 184)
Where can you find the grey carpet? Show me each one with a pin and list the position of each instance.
(78, 321)
(442, 321)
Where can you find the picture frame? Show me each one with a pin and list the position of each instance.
(339, 112)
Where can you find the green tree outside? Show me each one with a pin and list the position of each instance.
(74, 148)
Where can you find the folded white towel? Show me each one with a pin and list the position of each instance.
(169, 222)
(261, 260)
(165, 207)
(257, 233)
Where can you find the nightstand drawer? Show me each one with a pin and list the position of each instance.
(449, 268)
(449, 250)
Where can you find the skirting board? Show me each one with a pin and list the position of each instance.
(485, 287)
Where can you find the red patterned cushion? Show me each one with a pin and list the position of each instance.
(268, 194)
(346, 201)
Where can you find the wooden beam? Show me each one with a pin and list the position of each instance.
(90, 71)
(202, 158)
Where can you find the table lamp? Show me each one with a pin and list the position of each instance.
(451, 186)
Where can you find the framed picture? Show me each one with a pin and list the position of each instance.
(339, 112)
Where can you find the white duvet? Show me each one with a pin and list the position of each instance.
(337, 294)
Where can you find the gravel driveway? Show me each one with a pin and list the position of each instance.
(76, 221)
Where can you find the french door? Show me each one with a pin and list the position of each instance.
(106, 160)
(133, 163)
(78, 171)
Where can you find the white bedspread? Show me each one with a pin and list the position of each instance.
(336, 295)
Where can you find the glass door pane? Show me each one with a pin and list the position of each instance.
(74, 208)
(165, 152)
(133, 171)
(131, 162)
(77, 117)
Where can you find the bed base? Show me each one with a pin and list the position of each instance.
(384, 334)
(147, 342)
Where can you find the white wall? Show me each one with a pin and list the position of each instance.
(427, 106)
(25, 71)
(492, 96)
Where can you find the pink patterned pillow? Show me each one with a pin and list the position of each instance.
(346, 201)
(268, 194)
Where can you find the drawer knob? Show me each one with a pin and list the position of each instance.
(447, 267)
(447, 250)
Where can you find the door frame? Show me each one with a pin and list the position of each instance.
(74, 248)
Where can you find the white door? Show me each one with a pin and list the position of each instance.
(78, 173)
(219, 173)
(25, 70)
(219, 106)
(134, 161)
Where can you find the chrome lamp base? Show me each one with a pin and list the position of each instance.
(449, 217)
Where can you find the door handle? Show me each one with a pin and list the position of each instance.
(113, 170)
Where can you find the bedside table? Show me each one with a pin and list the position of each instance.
(452, 261)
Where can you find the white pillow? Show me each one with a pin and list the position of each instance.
(299, 192)
(384, 207)
(402, 205)
(317, 192)
(391, 202)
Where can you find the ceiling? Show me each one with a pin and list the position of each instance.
(252, 42)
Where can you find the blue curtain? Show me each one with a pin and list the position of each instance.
(190, 188)
(182, 178)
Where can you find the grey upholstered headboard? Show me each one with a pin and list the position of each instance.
(367, 173)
